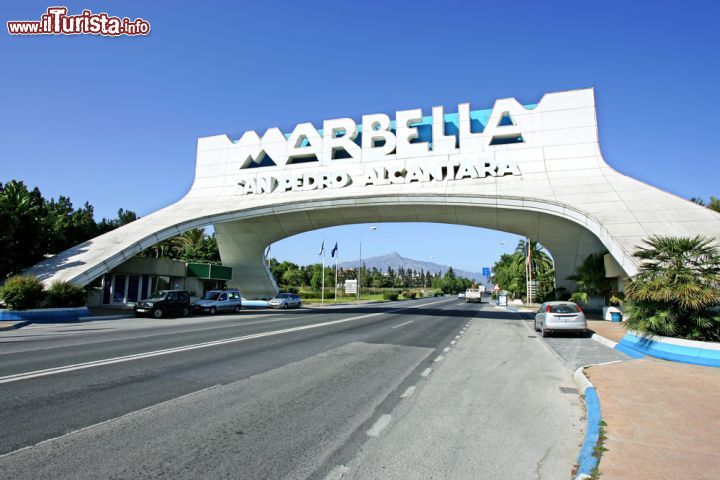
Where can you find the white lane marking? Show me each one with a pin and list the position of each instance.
(439, 358)
(453, 342)
(408, 392)
(457, 336)
(379, 426)
(446, 349)
(97, 363)
(426, 372)
(337, 472)
(134, 412)
(396, 326)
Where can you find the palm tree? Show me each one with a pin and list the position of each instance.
(540, 262)
(192, 238)
(539, 258)
(677, 289)
(590, 280)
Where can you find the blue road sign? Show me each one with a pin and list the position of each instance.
(486, 272)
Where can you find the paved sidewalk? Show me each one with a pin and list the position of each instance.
(663, 418)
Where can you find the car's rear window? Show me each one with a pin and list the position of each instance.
(564, 308)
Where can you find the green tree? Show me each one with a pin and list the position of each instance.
(24, 231)
(677, 289)
(590, 279)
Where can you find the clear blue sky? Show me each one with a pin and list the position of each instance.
(114, 121)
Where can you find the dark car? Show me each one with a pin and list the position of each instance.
(164, 302)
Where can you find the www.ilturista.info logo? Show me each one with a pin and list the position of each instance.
(57, 22)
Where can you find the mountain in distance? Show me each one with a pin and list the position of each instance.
(394, 260)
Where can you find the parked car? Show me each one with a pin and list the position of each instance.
(218, 301)
(164, 302)
(461, 295)
(560, 317)
(286, 300)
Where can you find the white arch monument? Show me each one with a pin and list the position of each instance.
(534, 170)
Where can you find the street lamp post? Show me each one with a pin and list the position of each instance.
(360, 265)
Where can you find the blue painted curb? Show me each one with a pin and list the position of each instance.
(14, 327)
(586, 460)
(45, 315)
(695, 355)
(629, 351)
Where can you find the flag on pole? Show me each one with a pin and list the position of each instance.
(322, 248)
(334, 251)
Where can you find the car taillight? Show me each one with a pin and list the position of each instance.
(579, 309)
(547, 309)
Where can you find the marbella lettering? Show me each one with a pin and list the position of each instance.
(398, 146)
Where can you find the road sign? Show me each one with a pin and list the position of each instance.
(486, 272)
(496, 287)
(350, 286)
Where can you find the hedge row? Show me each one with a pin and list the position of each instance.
(25, 292)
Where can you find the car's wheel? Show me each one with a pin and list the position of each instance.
(299, 304)
(285, 305)
(237, 308)
(544, 333)
(185, 311)
(158, 313)
(213, 310)
(535, 326)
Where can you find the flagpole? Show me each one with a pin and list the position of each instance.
(322, 295)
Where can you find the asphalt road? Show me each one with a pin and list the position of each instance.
(256, 395)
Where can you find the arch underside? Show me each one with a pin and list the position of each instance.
(242, 242)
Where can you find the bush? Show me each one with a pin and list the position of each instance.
(676, 292)
(289, 289)
(23, 292)
(409, 294)
(392, 296)
(65, 294)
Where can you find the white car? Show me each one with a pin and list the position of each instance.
(461, 295)
(555, 317)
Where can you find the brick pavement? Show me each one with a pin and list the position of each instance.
(663, 418)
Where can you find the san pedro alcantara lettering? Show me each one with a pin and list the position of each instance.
(396, 154)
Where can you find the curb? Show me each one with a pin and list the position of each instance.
(586, 461)
(617, 346)
(14, 326)
(706, 354)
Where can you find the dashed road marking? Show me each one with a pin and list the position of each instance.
(426, 372)
(379, 426)
(337, 472)
(453, 342)
(446, 349)
(439, 358)
(408, 392)
(396, 326)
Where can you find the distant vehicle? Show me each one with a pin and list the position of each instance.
(555, 317)
(286, 300)
(164, 302)
(461, 295)
(474, 294)
(218, 301)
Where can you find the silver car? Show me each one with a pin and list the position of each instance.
(219, 301)
(286, 300)
(560, 317)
